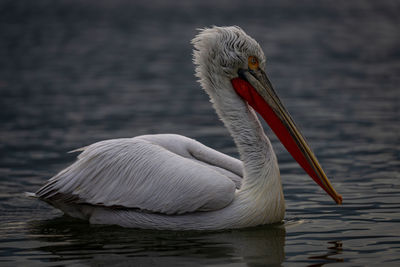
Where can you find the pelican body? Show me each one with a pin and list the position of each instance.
(172, 182)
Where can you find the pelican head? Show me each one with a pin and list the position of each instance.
(223, 51)
(229, 65)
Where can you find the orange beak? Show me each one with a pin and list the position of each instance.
(254, 87)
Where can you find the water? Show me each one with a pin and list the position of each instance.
(76, 72)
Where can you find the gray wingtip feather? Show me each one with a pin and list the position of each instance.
(30, 195)
(77, 150)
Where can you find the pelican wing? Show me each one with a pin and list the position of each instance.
(168, 174)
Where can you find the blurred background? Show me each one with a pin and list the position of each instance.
(76, 72)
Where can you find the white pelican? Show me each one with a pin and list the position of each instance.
(173, 182)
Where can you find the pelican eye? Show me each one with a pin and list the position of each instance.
(253, 63)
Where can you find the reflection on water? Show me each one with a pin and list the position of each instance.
(76, 72)
(68, 240)
(71, 241)
(333, 255)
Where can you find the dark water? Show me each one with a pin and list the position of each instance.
(76, 72)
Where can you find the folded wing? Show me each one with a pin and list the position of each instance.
(168, 174)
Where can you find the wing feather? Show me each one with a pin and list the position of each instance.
(190, 148)
(142, 173)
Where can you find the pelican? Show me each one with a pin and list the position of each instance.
(171, 182)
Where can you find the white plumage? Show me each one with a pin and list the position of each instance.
(168, 174)
(173, 182)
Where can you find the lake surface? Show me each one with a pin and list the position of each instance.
(76, 72)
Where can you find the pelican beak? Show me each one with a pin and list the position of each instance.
(255, 87)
